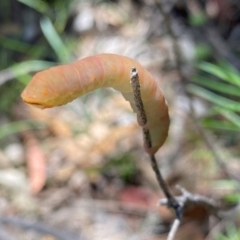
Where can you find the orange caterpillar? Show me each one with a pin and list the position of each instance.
(62, 84)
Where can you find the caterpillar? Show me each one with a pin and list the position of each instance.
(62, 84)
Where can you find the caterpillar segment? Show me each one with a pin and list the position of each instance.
(62, 84)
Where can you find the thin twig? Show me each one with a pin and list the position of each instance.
(174, 229)
(148, 143)
(187, 199)
(162, 183)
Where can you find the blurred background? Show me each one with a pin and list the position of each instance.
(79, 171)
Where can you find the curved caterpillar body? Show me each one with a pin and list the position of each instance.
(62, 84)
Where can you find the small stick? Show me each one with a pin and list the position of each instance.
(172, 203)
(174, 229)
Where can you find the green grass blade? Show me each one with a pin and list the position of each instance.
(212, 69)
(229, 115)
(24, 79)
(232, 198)
(219, 125)
(221, 72)
(14, 127)
(23, 68)
(54, 40)
(214, 98)
(217, 86)
(231, 71)
(18, 46)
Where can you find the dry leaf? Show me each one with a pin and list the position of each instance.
(36, 163)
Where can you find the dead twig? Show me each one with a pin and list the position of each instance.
(187, 199)
(172, 203)
(174, 229)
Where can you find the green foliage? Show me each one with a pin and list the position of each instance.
(20, 71)
(233, 198)
(197, 19)
(212, 97)
(220, 85)
(57, 11)
(223, 71)
(202, 52)
(18, 46)
(23, 68)
(18, 59)
(232, 233)
(54, 40)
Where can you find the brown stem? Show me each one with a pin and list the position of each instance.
(147, 141)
